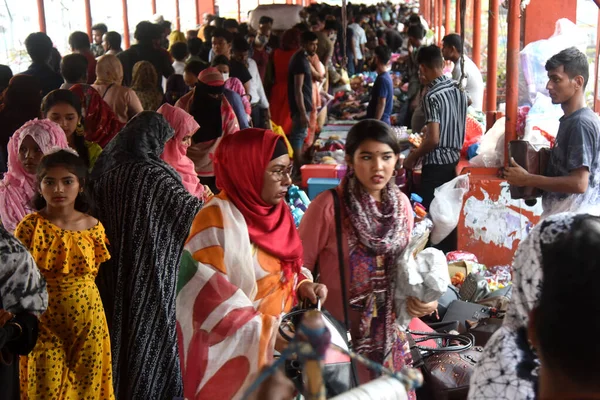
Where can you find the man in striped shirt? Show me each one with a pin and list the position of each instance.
(445, 109)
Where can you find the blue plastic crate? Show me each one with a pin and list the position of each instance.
(318, 185)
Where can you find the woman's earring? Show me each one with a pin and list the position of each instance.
(395, 174)
(79, 130)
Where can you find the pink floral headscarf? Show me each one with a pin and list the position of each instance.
(175, 153)
(18, 186)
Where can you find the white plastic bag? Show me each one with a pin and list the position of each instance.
(491, 147)
(446, 207)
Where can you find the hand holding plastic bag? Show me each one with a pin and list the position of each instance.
(446, 207)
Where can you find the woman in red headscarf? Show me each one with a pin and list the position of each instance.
(279, 66)
(241, 268)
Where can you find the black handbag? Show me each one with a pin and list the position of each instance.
(462, 311)
(341, 376)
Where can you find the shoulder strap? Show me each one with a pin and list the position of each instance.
(107, 89)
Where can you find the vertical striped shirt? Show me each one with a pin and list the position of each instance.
(446, 105)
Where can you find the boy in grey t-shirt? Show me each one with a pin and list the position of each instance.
(571, 182)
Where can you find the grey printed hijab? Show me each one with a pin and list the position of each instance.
(22, 287)
(508, 368)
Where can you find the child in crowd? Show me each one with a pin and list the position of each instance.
(72, 357)
(191, 71)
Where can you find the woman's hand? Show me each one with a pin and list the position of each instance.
(417, 309)
(207, 193)
(310, 291)
(5, 316)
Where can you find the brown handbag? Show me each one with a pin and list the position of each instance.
(531, 159)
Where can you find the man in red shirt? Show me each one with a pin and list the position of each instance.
(80, 43)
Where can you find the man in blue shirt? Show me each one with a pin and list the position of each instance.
(382, 95)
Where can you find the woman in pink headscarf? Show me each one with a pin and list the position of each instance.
(175, 153)
(26, 148)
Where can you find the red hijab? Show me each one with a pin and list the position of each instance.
(240, 163)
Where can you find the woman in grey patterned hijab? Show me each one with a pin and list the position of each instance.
(23, 298)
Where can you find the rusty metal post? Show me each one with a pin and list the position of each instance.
(440, 20)
(125, 25)
(512, 73)
(239, 13)
(457, 22)
(177, 16)
(492, 62)
(432, 14)
(477, 33)
(41, 15)
(447, 9)
(153, 4)
(88, 18)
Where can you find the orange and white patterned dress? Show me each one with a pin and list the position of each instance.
(71, 359)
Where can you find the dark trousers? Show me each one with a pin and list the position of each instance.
(432, 177)
(258, 117)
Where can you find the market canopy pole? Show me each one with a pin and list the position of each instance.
(512, 74)
(457, 21)
(153, 5)
(477, 33)
(447, 9)
(126, 25)
(88, 18)
(177, 16)
(41, 15)
(440, 6)
(492, 63)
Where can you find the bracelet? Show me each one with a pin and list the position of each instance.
(17, 325)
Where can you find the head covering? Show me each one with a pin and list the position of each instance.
(207, 109)
(176, 37)
(175, 151)
(144, 76)
(280, 149)
(211, 77)
(18, 186)
(141, 140)
(240, 163)
(109, 70)
(506, 370)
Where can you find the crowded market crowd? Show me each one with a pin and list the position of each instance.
(147, 247)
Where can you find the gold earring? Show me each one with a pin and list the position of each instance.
(79, 130)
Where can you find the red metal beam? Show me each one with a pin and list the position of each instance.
(239, 3)
(177, 16)
(492, 61)
(41, 15)
(477, 33)
(457, 21)
(440, 21)
(88, 18)
(431, 14)
(126, 41)
(512, 74)
(153, 4)
(447, 9)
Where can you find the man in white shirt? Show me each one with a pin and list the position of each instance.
(179, 52)
(359, 41)
(472, 81)
(261, 117)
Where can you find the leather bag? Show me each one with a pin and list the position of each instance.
(531, 159)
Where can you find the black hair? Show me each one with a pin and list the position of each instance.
(39, 47)
(570, 273)
(165, 25)
(195, 67)
(430, 56)
(220, 60)
(371, 129)
(194, 46)
(575, 63)
(414, 19)
(222, 33)
(219, 22)
(331, 25)
(179, 50)
(146, 32)
(265, 20)
(301, 27)
(416, 31)
(114, 39)
(308, 37)
(5, 76)
(244, 30)
(384, 54)
(230, 23)
(453, 40)
(73, 68)
(100, 27)
(208, 33)
(63, 96)
(240, 44)
(75, 165)
(79, 41)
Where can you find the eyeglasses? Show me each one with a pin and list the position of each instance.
(281, 174)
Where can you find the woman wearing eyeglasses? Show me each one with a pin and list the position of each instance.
(241, 268)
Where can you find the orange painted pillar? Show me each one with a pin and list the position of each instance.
(177, 16)
(204, 6)
(88, 18)
(239, 13)
(457, 22)
(492, 63)
(512, 73)
(476, 56)
(41, 15)
(432, 14)
(541, 17)
(447, 9)
(440, 21)
(153, 5)
(125, 25)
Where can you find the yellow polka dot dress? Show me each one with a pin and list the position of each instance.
(71, 359)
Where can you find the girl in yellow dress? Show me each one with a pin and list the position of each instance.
(71, 359)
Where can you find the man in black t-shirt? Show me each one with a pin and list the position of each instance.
(300, 93)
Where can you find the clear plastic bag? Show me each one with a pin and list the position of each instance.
(491, 147)
(446, 207)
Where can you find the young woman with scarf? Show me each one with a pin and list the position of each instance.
(26, 148)
(175, 153)
(147, 213)
(377, 220)
(241, 269)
